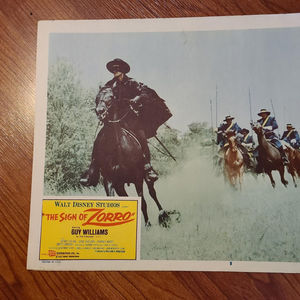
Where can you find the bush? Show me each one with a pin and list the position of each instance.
(70, 132)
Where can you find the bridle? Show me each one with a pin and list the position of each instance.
(119, 120)
(104, 115)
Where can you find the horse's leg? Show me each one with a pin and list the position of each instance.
(235, 181)
(293, 174)
(163, 218)
(139, 190)
(120, 189)
(281, 172)
(232, 177)
(241, 177)
(152, 193)
(108, 187)
(294, 179)
(292, 171)
(226, 174)
(269, 172)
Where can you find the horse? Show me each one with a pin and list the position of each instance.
(294, 162)
(297, 161)
(121, 157)
(234, 162)
(269, 156)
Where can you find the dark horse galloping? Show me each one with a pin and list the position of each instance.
(269, 156)
(121, 156)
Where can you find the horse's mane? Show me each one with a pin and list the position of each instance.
(103, 88)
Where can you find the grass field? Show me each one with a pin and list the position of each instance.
(258, 223)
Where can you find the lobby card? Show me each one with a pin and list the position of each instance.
(167, 144)
(89, 229)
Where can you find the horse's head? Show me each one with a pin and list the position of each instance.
(104, 102)
(257, 128)
(289, 150)
(232, 140)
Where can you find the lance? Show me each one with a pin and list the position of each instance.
(212, 125)
(284, 115)
(161, 143)
(274, 113)
(158, 149)
(250, 106)
(211, 118)
(250, 111)
(216, 106)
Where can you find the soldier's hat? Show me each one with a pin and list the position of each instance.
(263, 111)
(245, 130)
(227, 118)
(118, 65)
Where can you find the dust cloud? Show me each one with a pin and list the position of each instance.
(258, 223)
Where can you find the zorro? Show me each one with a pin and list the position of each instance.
(151, 111)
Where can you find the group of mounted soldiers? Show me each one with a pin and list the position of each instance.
(246, 143)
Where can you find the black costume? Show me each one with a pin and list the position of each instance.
(150, 109)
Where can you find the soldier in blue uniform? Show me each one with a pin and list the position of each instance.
(246, 139)
(291, 136)
(245, 144)
(269, 124)
(226, 126)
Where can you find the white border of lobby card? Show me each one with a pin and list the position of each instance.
(141, 25)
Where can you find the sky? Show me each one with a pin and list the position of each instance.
(188, 69)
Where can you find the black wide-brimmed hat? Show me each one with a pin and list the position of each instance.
(118, 65)
(245, 130)
(263, 111)
(227, 118)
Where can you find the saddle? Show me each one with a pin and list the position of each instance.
(272, 142)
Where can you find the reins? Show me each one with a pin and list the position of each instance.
(111, 121)
(117, 121)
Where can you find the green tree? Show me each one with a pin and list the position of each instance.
(199, 134)
(71, 127)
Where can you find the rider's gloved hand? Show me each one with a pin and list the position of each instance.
(268, 128)
(135, 100)
(135, 104)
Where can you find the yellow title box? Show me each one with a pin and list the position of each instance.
(89, 229)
